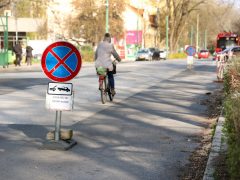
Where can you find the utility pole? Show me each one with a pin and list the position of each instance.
(159, 27)
(167, 34)
(107, 10)
(191, 41)
(138, 28)
(197, 38)
(14, 9)
(205, 39)
(158, 23)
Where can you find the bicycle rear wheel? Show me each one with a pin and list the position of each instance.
(103, 91)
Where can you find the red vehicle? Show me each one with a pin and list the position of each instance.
(226, 40)
(203, 54)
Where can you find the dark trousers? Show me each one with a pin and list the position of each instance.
(18, 59)
(111, 79)
(29, 60)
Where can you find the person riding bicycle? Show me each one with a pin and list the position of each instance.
(103, 58)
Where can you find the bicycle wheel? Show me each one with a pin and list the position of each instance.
(103, 91)
(108, 90)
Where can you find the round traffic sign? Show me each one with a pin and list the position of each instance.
(61, 61)
(191, 50)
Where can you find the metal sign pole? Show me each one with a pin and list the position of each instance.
(58, 125)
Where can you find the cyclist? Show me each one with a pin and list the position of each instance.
(103, 58)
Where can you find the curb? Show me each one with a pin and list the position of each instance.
(37, 67)
(215, 150)
(34, 67)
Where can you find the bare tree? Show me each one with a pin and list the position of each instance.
(90, 22)
(179, 12)
(214, 17)
(30, 8)
(4, 3)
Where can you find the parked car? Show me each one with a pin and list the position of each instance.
(228, 53)
(155, 53)
(144, 54)
(163, 54)
(220, 55)
(234, 51)
(148, 54)
(204, 53)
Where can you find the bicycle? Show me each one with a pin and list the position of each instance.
(104, 86)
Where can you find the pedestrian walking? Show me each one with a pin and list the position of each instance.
(17, 49)
(29, 55)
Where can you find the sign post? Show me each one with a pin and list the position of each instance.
(190, 51)
(61, 62)
(58, 125)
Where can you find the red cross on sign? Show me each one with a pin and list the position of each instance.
(61, 61)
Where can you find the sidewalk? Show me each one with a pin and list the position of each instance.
(33, 68)
(22, 68)
(37, 67)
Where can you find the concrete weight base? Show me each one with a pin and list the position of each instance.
(58, 145)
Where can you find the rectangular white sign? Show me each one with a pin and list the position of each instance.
(189, 60)
(60, 88)
(59, 102)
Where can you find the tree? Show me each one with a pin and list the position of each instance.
(4, 3)
(179, 12)
(215, 17)
(89, 23)
(30, 8)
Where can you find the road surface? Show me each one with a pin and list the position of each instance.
(148, 132)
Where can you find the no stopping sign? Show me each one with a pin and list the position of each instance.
(61, 61)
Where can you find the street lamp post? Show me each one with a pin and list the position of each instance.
(107, 12)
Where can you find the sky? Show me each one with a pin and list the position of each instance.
(236, 2)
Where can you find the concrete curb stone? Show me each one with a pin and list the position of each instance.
(215, 150)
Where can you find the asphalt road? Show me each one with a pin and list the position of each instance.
(148, 132)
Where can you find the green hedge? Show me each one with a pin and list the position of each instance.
(232, 117)
(177, 55)
(87, 53)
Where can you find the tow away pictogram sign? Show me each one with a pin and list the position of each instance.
(59, 96)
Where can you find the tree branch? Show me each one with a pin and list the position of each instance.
(4, 4)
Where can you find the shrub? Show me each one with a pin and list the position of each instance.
(177, 55)
(232, 117)
(87, 53)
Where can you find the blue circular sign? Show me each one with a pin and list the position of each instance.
(61, 61)
(191, 50)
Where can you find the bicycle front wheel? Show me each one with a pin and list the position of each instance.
(104, 92)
